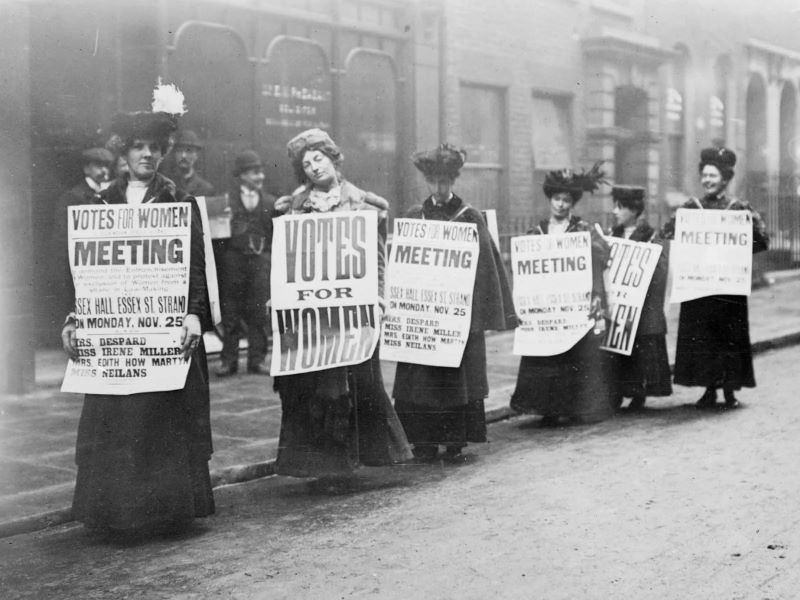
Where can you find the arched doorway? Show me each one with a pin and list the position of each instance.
(369, 121)
(206, 53)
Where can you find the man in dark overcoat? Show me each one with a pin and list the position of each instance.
(246, 267)
(96, 164)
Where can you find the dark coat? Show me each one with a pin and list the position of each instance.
(251, 229)
(75, 196)
(194, 186)
(713, 348)
(646, 371)
(335, 419)
(445, 405)
(575, 383)
(143, 458)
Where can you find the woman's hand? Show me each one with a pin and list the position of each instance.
(381, 310)
(190, 335)
(68, 339)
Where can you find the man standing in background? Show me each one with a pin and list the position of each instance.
(246, 267)
(185, 154)
(96, 177)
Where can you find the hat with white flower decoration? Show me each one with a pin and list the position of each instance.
(157, 124)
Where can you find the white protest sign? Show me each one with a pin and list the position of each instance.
(130, 268)
(324, 291)
(712, 253)
(211, 265)
(431, 277)
(552, 291)
(490, 216)
(627, 278)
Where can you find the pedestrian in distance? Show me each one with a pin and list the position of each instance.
(96, 164)
(713, 349)
(646, 371)
(573, 385)
(444, 406)
(143, 458)
(335, 420)
(245, 268)
(184, 156)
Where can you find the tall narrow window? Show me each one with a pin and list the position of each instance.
(675, 121)
(482, 134)
(551, 135)
(718, 102)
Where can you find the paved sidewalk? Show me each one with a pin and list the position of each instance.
(37, 430)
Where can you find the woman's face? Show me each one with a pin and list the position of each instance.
(711, 180)
(440, 186)
(319, 169)
(143, 158)
(560, 206)
(623, 216)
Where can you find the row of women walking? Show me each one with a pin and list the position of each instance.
(143, 458)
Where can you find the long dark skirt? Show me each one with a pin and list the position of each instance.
(572, 384)
(143, 459)
(714, 344)
(646, 371)
(336, 420)
(442, 405)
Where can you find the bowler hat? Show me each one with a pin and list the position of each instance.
(101, 156)
(245, 160)
(187, 137)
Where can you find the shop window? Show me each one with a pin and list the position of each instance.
(223, 119)
(295, 94)
(369, 122)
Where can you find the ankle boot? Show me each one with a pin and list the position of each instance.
(707, 400)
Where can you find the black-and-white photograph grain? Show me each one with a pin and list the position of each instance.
(399, 299)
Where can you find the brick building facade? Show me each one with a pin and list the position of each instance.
(643, 85)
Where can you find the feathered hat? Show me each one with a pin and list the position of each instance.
(574, 184)
(445, 160)
(722, 158)
(157, 124)
(312, 139)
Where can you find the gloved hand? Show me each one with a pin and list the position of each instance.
(190, 335)
(68, 339)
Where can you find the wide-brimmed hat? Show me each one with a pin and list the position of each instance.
(722, 158)
(246, 160)
(159, 123)
(101, 156)
(445, 160)
(187, 137)
(573, 183)
(143, 125)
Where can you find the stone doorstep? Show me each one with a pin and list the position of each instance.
(248, 472)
